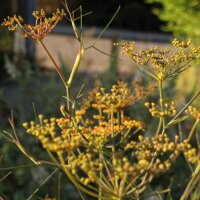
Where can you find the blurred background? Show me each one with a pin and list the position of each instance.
(29, 84)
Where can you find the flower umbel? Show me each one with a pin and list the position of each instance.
(103, 151)
(168, 109)
(162, 64)
(193, 112)
(40, 29)
(110, 150)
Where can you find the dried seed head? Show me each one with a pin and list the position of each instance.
(40, 29)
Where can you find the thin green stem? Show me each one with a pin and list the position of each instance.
(53, 158)
(113, 143)
(192, 184)
(23, 150)
(54, 62)
(71, 178)
(77, 184)
(112, 129)
(42, 184)
(161, 100)
(192, 130)
(161, 93)
(159, 126)
(108, 172)
(156, 193)
(122, 184)
(184, 108)
(68, 99)
(106, 27)
(142, 69)
(5, 176)
(59, 186)
(100, 177)
(131, 185)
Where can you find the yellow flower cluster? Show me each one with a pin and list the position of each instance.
(109, 149)
(129, 123)
(119, 97)
(42, 27)
(168, 109)
(105, 153)
(193, 112)
(56, 135)
(181, 44)
(148, 155)
(193, 156)
(166, 151)
(68, 133)
(162, 63)
(87, 163)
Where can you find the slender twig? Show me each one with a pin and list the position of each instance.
(16, 167)
(161, 101)
(157, 192)
(71, 178)
(5, 176)
(106, 27)
(107, 54)
(43, 183)
(59, 186)
(192, 184)
(193, 130)
(184, 108)
(12, 124)
(54, 62)
(83, 15)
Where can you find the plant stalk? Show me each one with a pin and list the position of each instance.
(54, 62)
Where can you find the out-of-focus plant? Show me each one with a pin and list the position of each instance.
(186, 24)
(6, 40)
(162, 64)
(103, 152)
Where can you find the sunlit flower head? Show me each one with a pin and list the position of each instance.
(43, 25)
(162, 64)
(193, 112)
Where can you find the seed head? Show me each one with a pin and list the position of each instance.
(40, 29)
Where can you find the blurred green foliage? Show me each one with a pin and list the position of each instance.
(181, 17)
(6, 40)
(28, 90)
